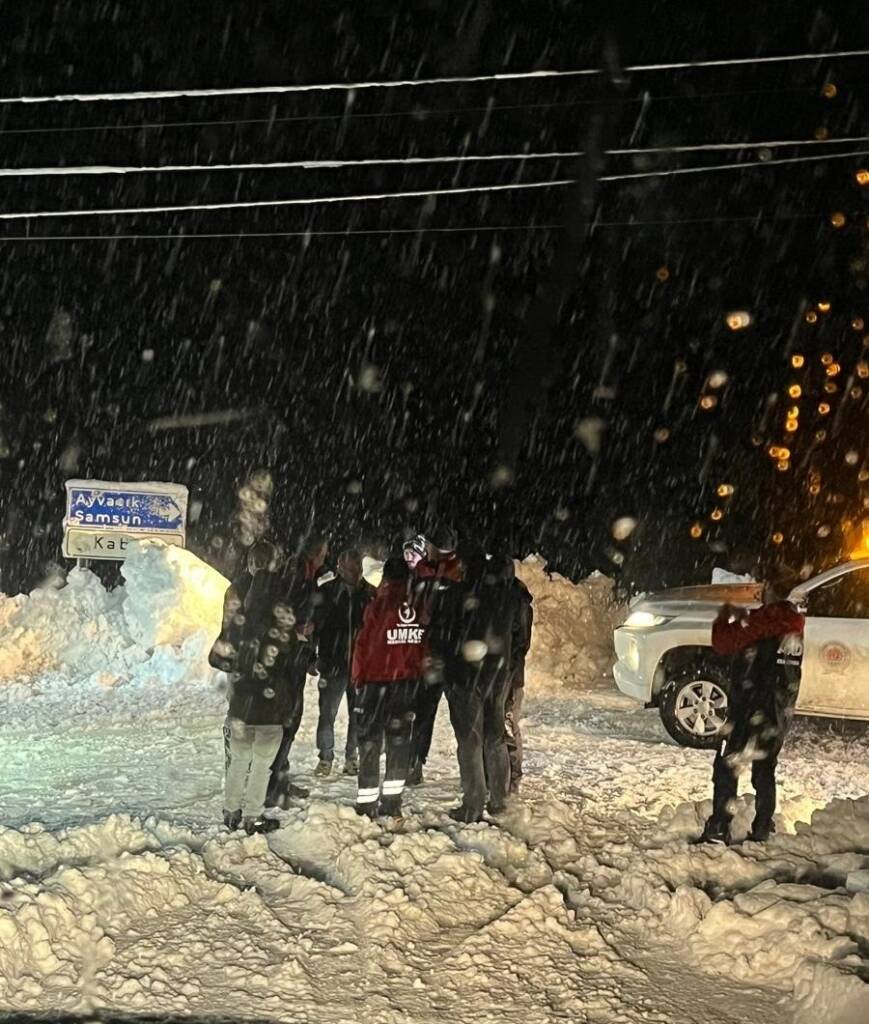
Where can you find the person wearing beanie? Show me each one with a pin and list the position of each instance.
(388, 662)
(414, 551)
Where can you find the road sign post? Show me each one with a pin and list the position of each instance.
(102, 518)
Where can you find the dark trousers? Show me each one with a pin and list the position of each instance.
(729, 760)
(427, 700)
(477, 712)
(280, 770)
(514, 733)
(334, 689)
(386, 713)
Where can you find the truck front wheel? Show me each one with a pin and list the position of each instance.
(693, 705)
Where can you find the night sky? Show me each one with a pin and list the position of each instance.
(531, 365)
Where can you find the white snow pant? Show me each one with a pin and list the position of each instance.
(252, 748)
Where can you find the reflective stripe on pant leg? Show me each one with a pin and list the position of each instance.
(399, 729)
(371, 706)
(368, 795)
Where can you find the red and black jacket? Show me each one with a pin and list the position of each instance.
(391, 645)
(732, 636)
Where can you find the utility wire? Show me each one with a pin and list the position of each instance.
(418, 113)
(463, 229)
(304, 201)
(410, 194)
(108, 169)
(414, 82)
(673, 172)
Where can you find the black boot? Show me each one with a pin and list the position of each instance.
(368, 810)
(390, 807)
(714, 833)
(466, 815)
(761, 831)
(288, 792)
(414, 774)
(254, 826)
(232, 820)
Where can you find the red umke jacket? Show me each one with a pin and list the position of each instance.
(391, 645)
(771, 620)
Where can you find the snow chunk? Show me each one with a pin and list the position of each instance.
(171, 594)
(572, 641)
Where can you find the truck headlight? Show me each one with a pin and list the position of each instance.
(631, 656)
(645, 620)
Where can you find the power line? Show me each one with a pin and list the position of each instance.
(305, 201)
(415, 82)
(755, 218)
(419, 113)
(410, 194)
(672, 172)
(115, 169)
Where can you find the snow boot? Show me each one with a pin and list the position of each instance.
(712, 837)
(323, 769)
(390, 807)
(368, 810)
(232, 820)
(287, 793)
(351, 766)
(761, 831)
(414, 774)
(254, 826)
(466, 815)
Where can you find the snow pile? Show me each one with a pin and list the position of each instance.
(572, 644)
(81, 632)
(170, 594)
(791, 914)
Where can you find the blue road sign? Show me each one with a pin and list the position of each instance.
(148, 508)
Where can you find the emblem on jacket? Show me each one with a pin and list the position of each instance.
(406, 632)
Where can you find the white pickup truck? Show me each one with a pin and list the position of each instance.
(665, 657)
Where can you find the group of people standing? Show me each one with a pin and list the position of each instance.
(447, 619)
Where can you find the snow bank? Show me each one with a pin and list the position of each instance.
(170, 594)
(166, 616)
(790, 914)
(571, 646)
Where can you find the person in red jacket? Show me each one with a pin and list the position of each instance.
(765, 645)
(388, 663)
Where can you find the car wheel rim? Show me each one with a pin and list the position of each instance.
(701, 708)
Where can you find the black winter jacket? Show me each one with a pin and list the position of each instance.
(257, 648)
(473, 628)
(341, 618)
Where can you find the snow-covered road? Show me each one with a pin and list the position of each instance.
(584, 903)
